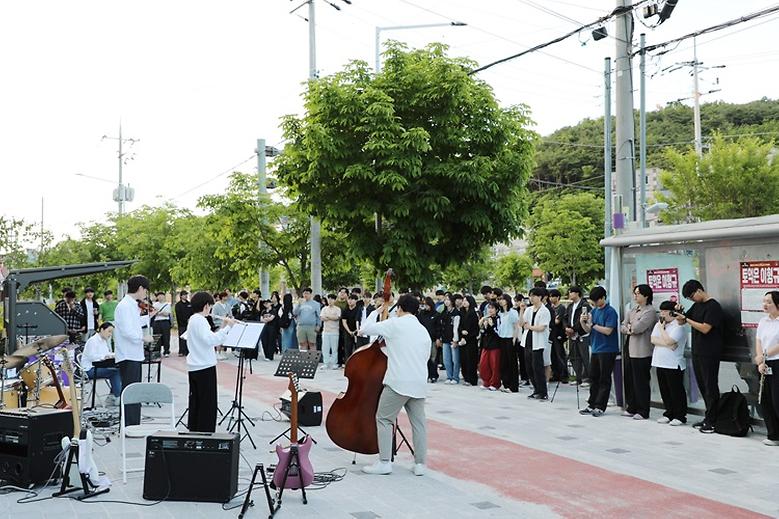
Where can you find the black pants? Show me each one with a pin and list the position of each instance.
(509, 369)
(769, 403)
(268, 341)
(637, 399)
(559, 360)
(601, 368)
(707, 374)
(183, 350)
(524, 367)
(671, 382)
(130, 372)
(534, 359)
(162, 328)
(349, 343)
(580, 358)
(341, 344)
(202, 400)
(469, 360)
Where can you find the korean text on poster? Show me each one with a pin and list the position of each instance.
(664, 283)
(757, 278)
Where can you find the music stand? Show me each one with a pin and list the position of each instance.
(304, 364)
(242, 336)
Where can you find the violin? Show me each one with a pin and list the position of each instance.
(351, 421)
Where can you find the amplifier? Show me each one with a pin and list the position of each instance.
(309, 407)
(191, 466)
(30, 439)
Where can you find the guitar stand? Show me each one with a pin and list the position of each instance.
(89, 489)
(273, 505)
(285, 434)
(247, 502)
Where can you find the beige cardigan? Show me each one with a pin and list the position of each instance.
(642, 321)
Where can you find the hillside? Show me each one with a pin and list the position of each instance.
(575, 153)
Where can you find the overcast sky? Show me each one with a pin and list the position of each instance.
(198, 82)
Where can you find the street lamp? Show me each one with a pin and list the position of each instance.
(404, 27)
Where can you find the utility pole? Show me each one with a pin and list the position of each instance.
(122, 193)
(315, 225)
(625, 174)
(696, 96)
(263, 192)
(642, 130)
(607, 227)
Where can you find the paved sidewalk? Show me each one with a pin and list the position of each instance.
(490, 455)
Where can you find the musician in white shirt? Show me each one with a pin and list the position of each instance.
(162, 324)
(129, 339)
(97, 349)
(201, 363)
(405, 382)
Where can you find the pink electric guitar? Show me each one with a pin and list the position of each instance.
(300, 473)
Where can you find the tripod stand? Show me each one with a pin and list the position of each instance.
(569, 366)
(237, 406)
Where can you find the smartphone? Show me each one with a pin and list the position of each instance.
(527, 300)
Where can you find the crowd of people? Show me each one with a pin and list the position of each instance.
(502, 343)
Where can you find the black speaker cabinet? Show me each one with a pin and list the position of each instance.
(30, 439)
(185, 466)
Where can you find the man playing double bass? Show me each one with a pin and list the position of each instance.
(405, 382)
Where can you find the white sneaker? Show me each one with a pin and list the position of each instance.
(664, 419)
(481, 386)
(380, 467)
(638, 417)
(111, 401)
(627, 413)
(675, 422)
(492, 388)
(771, 443)
(419, 469)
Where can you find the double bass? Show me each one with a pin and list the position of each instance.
(351, 421)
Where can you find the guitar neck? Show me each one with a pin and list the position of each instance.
(293, 419)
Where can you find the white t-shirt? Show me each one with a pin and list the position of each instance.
(540, 339)
(407, 350)
(201, 342)
(768, 333)
(665, 357)
(508, 321)
(162, 307)
(95, 349)
(90, 305)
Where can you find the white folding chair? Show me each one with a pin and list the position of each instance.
(138, 393)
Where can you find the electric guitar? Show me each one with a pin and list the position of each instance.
(299, 473)
(61, 403)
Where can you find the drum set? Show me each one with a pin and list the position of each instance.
(38, 382)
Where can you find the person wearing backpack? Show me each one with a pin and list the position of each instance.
(706, 319)
(669, 339)
(767, 360)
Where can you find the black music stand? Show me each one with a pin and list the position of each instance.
(304, 364)
(237, 406)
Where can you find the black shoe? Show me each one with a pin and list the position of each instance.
(700, 424)
(533, 396)
(707, 429)
(542, 397)
(586, 410)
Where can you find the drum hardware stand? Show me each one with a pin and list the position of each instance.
(27, 327)
(186, 411)
(237, 406)
(395, 445)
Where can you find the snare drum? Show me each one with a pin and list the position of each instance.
(12, 397)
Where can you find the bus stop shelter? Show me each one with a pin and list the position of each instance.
(737, 261)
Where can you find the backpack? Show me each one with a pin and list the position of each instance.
(285, 319)
(732, 414)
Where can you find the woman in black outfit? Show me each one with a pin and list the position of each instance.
(431, 320)
(268, 316)
(469, 335)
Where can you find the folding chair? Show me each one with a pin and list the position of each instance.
(138, 393)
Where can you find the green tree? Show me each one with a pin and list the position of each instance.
(565, 234)
(16, 236)
(734, 179)
(469, 274)
(513, 270)
(423, 145)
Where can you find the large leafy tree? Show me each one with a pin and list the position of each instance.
(470, 274)
(513, 270)
(15, 236)
(565, 235)
(734, 179)
(424, 146)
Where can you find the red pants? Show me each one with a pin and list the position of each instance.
(489, 367)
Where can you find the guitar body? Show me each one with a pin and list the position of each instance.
(298, 477)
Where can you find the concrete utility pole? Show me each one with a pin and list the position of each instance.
(122, 193)
(263, 191)
(315, 229)
(625, 174)
(642, 130)
(696, 96)
(607, 227)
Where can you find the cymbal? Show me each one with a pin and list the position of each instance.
(40, 346)
(12, 362)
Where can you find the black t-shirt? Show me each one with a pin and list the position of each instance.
(707, 344)
(529, 336)
(352, 315)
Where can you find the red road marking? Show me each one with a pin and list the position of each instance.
(568, 487)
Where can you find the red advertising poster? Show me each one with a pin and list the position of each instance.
(757, 278)
(664, 283)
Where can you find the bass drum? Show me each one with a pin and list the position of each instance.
(12, 397)
(48, 396)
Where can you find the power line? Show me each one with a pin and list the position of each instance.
(231, 169)
(707, 30)
(616, 12)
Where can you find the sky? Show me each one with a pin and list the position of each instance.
(196, 82)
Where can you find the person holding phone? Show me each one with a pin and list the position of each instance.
(578, 339)
(489, 365)
(601, 324)
(767, 360)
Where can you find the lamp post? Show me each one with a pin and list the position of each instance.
(406, 27)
